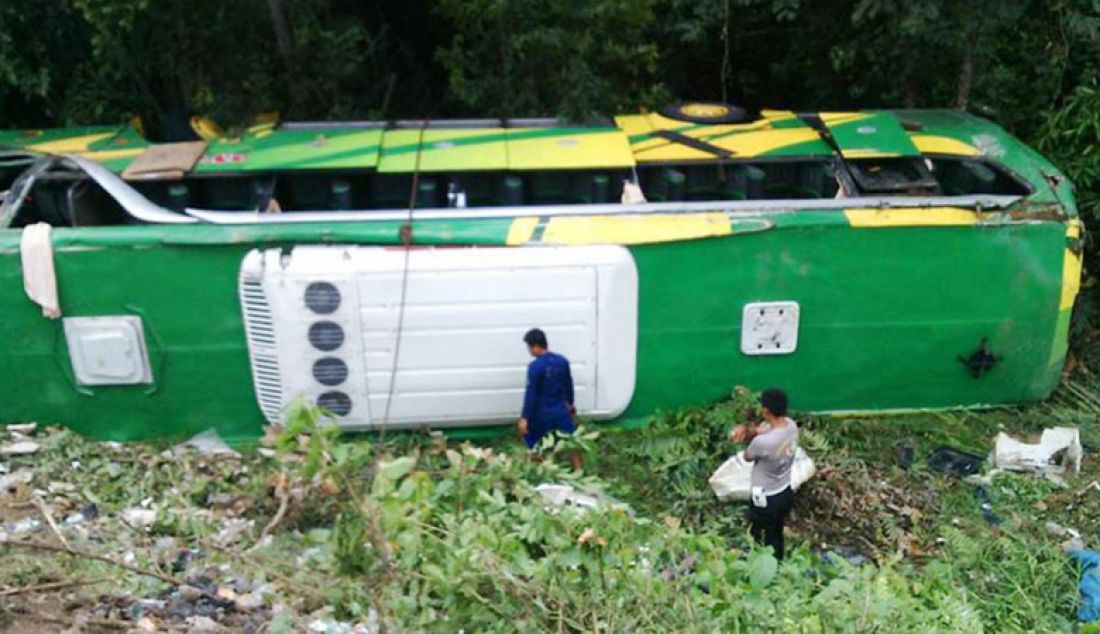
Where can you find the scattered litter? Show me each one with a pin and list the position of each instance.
(208, 443)
(250, 601)
(22, 428)
(954, 462)
(906, 457)
(60, 487)
(329, 626)
(1073, 536)
(556, 496)
(561, 495)
(185, 557)
(988, 515)
(25, 525)
(139, 518)
(13, 480)
(21, 448)
(201, 624)
(232, 530)
(731, 480)
(1058, 450)
(1089, 608)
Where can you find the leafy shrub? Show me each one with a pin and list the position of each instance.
(457, 538)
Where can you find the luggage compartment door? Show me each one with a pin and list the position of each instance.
(326, 323)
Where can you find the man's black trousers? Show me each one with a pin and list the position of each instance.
(766, 523)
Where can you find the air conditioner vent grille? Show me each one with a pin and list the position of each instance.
(260, 331)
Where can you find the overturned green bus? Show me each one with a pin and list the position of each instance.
(873, 260)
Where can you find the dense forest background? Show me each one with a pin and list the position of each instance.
(1033, 66)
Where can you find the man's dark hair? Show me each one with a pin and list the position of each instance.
(535, 337)
(775, 400)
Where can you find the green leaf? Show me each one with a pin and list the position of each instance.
(762, 569)
(389, 473)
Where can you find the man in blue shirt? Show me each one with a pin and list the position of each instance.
(548, 401)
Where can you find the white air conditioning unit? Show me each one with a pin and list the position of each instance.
(325, 323)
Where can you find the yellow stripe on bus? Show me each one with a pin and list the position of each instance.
(522, 230)
(838, 118)
(110, 155)
(72, 144)
(1071, 267)
(935, 144)
(639, 229)
(911, 217)
(1071, 279)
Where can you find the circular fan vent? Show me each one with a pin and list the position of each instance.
(330, 371)
(326, 335)
(322, 298)
(336, 402)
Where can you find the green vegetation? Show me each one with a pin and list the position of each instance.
(422, 534)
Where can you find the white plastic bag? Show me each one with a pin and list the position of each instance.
(731, 480)
(1058, 450)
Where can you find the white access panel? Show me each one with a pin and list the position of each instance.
(769, 328)
(108, 350)
(460, 358)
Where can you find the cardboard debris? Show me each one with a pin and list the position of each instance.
(21, 448)
(12, 480)
(1058, 451)
(166, 161)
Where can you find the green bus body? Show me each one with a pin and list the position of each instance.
(899, 307)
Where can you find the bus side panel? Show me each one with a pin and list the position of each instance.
(888, 315)
(187, 299)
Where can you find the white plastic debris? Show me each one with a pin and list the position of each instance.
(1058, 450)
(208, 443)
(21, 448)
(140, 518)
(558, 496)
(25, 525)
(731, 481)
(23, 428)
(561, 495)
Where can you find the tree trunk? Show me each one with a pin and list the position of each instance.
(282, 32)
(284, 43)
(966, 76)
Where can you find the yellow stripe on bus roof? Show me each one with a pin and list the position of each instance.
(71, 145)
(444, 150)
(936, 144)
(567, 148)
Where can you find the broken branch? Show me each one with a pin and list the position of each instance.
(45, 511)
(32, 545)
(284, 503)
(43, 587)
